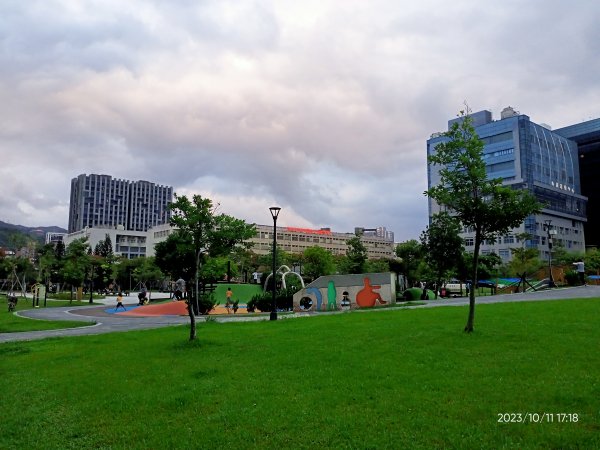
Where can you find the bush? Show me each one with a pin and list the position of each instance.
(415, 294)
(206, 303)
(263, 301)
(572, 278)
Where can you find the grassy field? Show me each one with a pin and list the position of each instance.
(11, 323)
(386, 379)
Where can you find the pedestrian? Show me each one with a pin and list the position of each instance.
(580, 267)
(142, 300)
(179, 289)
(120, 302)
(228, 303)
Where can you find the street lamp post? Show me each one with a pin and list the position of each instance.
(274, 213)
(549, 231)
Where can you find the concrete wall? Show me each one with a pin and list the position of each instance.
(342, 292)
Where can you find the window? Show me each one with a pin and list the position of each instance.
(469, 242)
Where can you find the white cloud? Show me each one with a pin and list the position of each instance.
(322, 107)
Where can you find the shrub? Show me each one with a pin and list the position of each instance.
(572, 278)
(416, 293)
(263, 301)
(206, 303)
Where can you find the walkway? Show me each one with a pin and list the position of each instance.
(109, 323)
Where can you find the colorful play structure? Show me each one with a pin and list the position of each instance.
(345, 292)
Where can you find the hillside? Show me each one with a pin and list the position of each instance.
(16, 235)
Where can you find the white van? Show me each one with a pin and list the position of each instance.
(454, 288)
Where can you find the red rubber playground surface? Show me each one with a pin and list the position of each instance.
(178, 308)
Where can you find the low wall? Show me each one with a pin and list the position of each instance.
(343, 292)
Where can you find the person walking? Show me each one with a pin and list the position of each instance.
(580, 267)
(120, 302)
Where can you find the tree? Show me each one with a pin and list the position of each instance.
(317, 262)
(480, 203)
(592, 260)
(215, 268)
(147, 270)
(175, 256)
(59, 250)
(46, 263)
(524, 260)
(76, 263)
(209, 233)
(356, 255)
(442, 246)
(488, 265)
(411, 253)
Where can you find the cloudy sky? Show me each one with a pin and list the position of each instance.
(321, 107)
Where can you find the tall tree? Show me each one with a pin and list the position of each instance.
(175, 256)
(317, 262)
(525, 260)
(147, 271)
(209, 233)
(442, 245)
(411, 254)
(357, 255)
(480, 203)
(76, 263)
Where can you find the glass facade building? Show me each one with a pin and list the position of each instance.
(587, 136)
(101, 201)
(526, 155)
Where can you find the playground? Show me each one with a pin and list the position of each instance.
(164, 304)
(169, 308)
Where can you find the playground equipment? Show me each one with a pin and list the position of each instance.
(283, 271)
(13, 279)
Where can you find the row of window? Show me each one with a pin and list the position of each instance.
(536, 240)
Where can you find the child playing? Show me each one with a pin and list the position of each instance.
(120, 302)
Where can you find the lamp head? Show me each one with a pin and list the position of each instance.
(274, 211)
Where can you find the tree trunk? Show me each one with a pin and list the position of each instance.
(192, 319)
(471, 318)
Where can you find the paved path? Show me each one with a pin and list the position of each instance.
(101, 322)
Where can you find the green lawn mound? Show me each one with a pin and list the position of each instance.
(416, 293)
(241, 292)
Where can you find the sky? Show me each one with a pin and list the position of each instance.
(320, 107)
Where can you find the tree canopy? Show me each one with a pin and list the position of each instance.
(317, 262)
(442, 246)
(482, 204)
(208, 233)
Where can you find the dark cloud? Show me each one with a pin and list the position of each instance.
(321, 107)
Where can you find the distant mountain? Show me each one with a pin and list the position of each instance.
(11, 235)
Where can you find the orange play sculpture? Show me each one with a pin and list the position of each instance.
(367, 297)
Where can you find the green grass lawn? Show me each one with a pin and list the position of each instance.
(11, 323)
(389, 379)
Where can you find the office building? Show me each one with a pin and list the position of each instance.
(101, 201)
(526, 155)
(53, 238)
(587, 136)
(296, 240)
